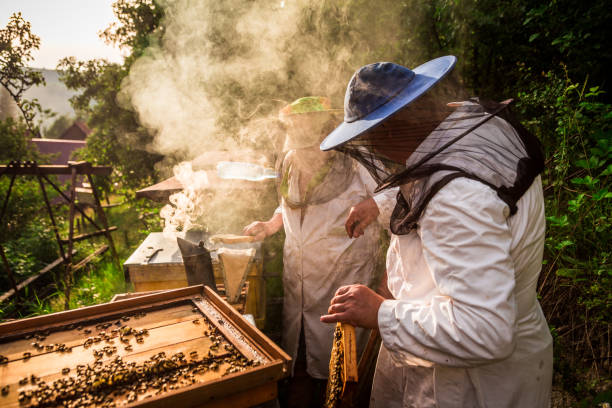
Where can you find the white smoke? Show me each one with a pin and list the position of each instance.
(188, 206)
(186, 86)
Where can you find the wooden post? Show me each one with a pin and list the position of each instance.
(9, 272)
(102, 217)
(50, 211)
(8, 194)
(68, 272)
(56, 188)
(41, 172)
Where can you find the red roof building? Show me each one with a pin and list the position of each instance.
(60, 151)
(78, 131)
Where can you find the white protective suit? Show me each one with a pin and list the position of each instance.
(319, 258)
(466, 329)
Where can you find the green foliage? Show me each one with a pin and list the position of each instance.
(572, 33)
(579, 200)
(551, 54)
(28, 245)
(98, 285)
(493, 40)
(137, 27)
(117, 138)
(16, 45)
(576, 290)
(14, 139)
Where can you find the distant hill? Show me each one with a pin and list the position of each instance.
(53, 96)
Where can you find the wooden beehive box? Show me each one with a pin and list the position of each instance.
(239, 306)
(165, 270)
(110, 354)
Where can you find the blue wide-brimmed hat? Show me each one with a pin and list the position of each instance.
(377, 91)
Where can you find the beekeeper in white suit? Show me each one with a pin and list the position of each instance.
(461, 326)
(318, 190)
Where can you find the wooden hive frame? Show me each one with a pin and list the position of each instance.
(349, 382)
(343, 374)
(240, 306)
(253, 384)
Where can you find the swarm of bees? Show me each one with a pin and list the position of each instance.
(103, 381)
(335, 382)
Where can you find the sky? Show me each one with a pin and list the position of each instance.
(65, 27)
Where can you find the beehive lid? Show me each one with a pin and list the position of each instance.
(160, 249)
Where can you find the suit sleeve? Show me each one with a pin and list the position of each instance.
(470, 320)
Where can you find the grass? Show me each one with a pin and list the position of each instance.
(98, 281)
(101, 282)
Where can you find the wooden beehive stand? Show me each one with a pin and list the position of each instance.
(66, 250)
(241, 370)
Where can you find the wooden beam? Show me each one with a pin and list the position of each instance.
(26, 282)
(89, 257)
(90, 234)
(57, 169)
(9, 271)
(102, 217)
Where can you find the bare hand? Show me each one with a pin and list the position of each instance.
(258, 229)
(360, 216)
(261, 229)
(354, 304)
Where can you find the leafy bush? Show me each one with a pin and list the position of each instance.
(28, 245)
(576, 283)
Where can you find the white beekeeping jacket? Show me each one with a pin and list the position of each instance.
(466, 329)
(318, 258)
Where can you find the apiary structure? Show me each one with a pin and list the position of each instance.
(157, 265)
(184, 347)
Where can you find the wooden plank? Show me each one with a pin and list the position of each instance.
(248, 329)
(350, 352)
(49, 374)
(90, 235)
(158, 286)
(123, 307)
(73, 337)
(240, 306)
(130, 295)
(7, 295)
(254, 396)
(160, 338)
(89, 257)
(48, 169)
(158, 273)
(7, 267)
(218, 389)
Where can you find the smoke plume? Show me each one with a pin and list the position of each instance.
(223, 69)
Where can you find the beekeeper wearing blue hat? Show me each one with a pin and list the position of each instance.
(461, 325)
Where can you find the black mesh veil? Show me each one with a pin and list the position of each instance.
(477, 140)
